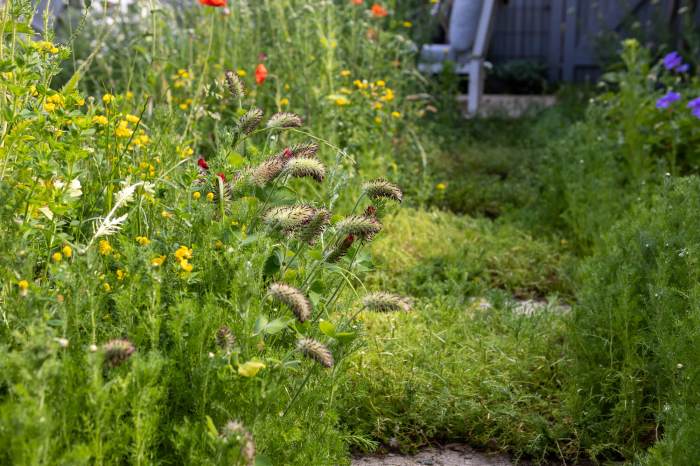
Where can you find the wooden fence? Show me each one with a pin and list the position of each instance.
(568, 36)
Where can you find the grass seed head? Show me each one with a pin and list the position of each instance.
(360, 226)
(315, 350)
(304, 166)
(225, 338)
(234, 430)
(267, 171)
(284, 120)
(386, 302)
(250, 120)
(382, 189)
(117, 352)
(234, 84)
(292, 298)
(305, 149)
(315, 227)
(340, 249)
(289, 219)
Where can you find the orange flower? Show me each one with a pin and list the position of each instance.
(379, 11)
(260, 74)
(216, 3)
(358, 2)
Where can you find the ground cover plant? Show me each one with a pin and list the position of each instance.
(203, 260)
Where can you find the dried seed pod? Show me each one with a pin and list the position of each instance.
(386, 302)
(292, 298)
(234, 84)
(315, 227)
(234, 430)
(315, 350)
(304, 166)
(267, 171)
(305, 149)
(225, 338)
(116, 352)
(289, 219)
(382, 189)
(284, 120)
(360, 226)
(340, 250)
(250, 120)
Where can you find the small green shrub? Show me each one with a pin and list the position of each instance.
(635, 330)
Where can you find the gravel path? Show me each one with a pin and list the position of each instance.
(451, 455)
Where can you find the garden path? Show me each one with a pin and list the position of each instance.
(450, 455)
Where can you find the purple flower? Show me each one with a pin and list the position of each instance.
(683, 68)
(672, 61)
(668, 99)
(694, 106)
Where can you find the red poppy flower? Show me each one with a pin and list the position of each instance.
(260, 74)
(222, 176)
(203, 164)
(379, 11)
(358, 2)
(214, 3)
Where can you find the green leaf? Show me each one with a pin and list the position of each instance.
(260, 324)
(327, 328)
(236, 160)
(272, 264)
(275, 326)
(345, 337)
(262, 460)
(211, 427)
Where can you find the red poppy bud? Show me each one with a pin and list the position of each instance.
(260, 74)
(222, 176)
(203, 164)
(214, 3)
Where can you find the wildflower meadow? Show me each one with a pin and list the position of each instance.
(251, 232)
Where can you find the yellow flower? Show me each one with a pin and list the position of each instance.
(184, 74)
(378, 120)
(361, 84)
(183, 253)
(107, 99)
(196, 195)
(49, 107)
(129, 95)
(143, 241)
(407, 24)
(241, 72)
(185, 265)
(441, 186)
(284, 102)
(100, 120)
(342, 101)
(396, 114)
(345, 73)
(166, 214)
(132, 119)
(23, 287)
(377, 106)
(104, 247)
(67, 251)
(122, 130)
(157, 261)
(56, 257)
(210, 196)
(218, 244)
(106, 287)
(388, 95)
(250, 368)
(120, 274)
(380, 83)
(186, 152)
(45, 47)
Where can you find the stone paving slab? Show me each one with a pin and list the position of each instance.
(450, 455)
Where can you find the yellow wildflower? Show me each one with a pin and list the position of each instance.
(441, 186)
(100, 120)
(345, 73)
(380, 83)
(143, 241)
(396, 114)
(106, 287)
(129, 95)
(157, 261)
(49, 107)
(284, 102)
(241, 72)
(122, 130)
(378, 120)
(210, 196)
(183, 253)
(57, 256)
(388, 95)
(23, 287)
(166, 214)
(377, 106)
(407, 24)
(45, 47)
(250, 368)
(67, 251)
(132, 119)
(120, 274)
(196, 195)
(184, 74)
(107, 99)
(342, 101)
(104, 247)
(185, 265)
